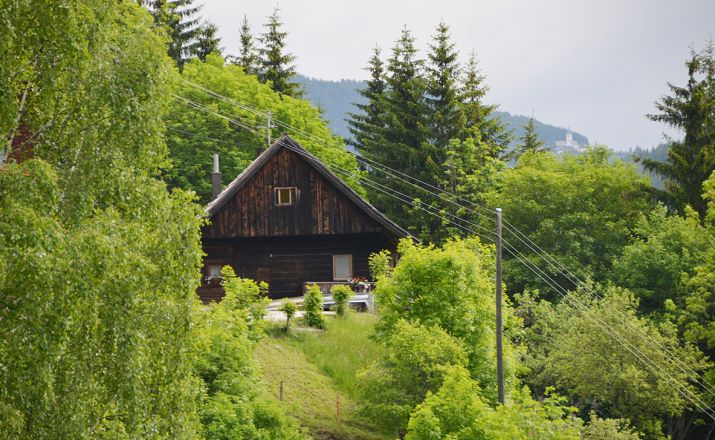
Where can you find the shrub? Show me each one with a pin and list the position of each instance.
(289, 308)
(313, 307)
(341, 294)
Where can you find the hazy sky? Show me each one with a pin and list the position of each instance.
(596, 66)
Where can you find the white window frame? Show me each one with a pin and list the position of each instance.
(350, 263)
(292, 195)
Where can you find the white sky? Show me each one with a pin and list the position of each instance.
(596, 66)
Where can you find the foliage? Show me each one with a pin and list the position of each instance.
(568, 348)
(608, 429)
(426, 119)
(341, 294)
(530, 140)
(95, 316)
(663, 255)
(207, 42)
(691, 109)
(99, 261)
(579, 209)
(233, 405)
(415, 363)
(456, 411)
(178, 18)
(248, 56)
(313, 307)
(289, 308)
(276, 65)
(452, 288)
(194, 135)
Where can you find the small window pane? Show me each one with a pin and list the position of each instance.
(342, 267)
(286, 196)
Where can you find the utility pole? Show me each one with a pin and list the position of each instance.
(500, 355)
(268, 127)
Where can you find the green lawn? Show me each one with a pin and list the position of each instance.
(317, 371)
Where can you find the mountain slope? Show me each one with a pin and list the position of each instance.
(336, 98)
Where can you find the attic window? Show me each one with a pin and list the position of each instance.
(286, 196)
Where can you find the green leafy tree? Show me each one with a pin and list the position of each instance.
(567, 348)
(248, 56)
(179, 19)
(663, 255)
(207, 41)
(195, 133)
(609, 429)
(456, 411)
(276, 64)
(289, 308)
(691, 109)
(416, 360)
(313, 307)
(579, 209)
(341, 294)
(452, 288)
(233, 406)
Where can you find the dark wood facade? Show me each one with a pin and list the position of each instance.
(288, 239)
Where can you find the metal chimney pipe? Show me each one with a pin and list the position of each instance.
(215, 179)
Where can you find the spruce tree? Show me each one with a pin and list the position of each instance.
(690, 109)
(367, 126)
(531, 141)
(248, 57)
(446, 118)
(179, 18)
(405, 144)
(276, 64)
(479, 121)
(207, 41)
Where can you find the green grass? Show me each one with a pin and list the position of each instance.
(317, 370)
(343, 349)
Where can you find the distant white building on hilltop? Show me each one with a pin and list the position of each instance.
(568, 145)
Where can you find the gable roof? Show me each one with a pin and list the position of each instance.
(287, 142)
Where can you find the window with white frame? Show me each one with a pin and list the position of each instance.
(286, 196)
(342, 267)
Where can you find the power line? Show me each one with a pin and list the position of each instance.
(634, 350)
(555, 264)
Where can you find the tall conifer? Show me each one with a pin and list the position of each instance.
(368, 125)
(446, 118)
(276, 64)
(207, 41)
(690, 109)
(479, 121)
(179, 18)
(248, 57)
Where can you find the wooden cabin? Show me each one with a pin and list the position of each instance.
(289, 221)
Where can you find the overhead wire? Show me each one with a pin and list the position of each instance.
(551, 261)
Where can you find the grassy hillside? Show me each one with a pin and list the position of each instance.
(317, 371)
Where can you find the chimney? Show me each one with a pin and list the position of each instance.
(215, 179)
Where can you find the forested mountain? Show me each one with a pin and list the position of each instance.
(336, 98)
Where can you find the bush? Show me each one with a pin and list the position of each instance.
(341, 294)
(313, 307)
(289, 308)
(415, 363)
